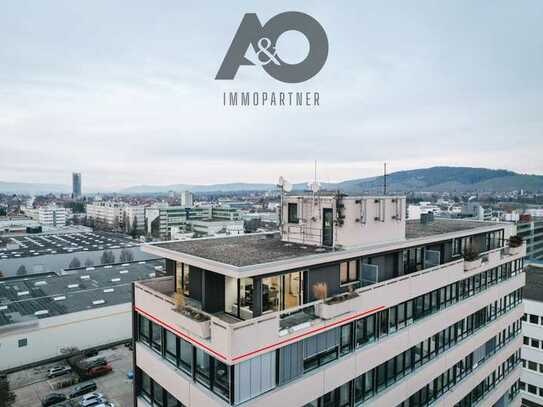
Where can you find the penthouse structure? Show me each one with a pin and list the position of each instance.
(348, 305)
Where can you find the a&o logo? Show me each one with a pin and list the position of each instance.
(263, 39)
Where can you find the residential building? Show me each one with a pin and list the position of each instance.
(50, 215)
(134, 217)
(108, 212)
(531, 385)
(531, 230)
(180, 217)
(76, 185)
(186, 199)
(349, 304)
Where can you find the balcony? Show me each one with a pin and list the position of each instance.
(233, 340)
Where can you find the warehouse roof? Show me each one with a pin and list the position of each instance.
(50, 294)
(39, 244)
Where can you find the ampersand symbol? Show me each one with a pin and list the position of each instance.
(264, 45)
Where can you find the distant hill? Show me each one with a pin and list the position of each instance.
(454, 179)
(434, 179)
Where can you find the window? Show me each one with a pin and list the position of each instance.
(185, 356)
(171, 347)
(534, 319)
(156, 332)
(203, 367)
(158, 394)
(345, 346)
(145, 386)
(221, 379)
(292, 213)
(348, 272)
(535, 343)
(23, 342)
(145, 331)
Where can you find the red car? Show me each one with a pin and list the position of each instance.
(100, 370)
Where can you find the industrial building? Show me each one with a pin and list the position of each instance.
(349, 305)
(48, 315)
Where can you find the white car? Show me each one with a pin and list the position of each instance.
(92, 399)
(58, 371)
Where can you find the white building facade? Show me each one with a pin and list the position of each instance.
(532, 349)
(349, 305)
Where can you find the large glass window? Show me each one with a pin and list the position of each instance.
(185, 356)
(271, 293)
(145, 386)
(156, 332)
(203, 367)
(171, 347)
(144, 329)
(158, 394)
(221, 379)
(348, 272)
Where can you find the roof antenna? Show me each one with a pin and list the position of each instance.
(385, 179)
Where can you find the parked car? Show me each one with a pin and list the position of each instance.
(58, 371)
(100, 370)
(83, 389)
(90, 353)
(92, 399)
(96, 362)
(53, 398)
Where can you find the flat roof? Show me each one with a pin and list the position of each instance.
(256, 249)
(415, 229)
(244, 250)
(533, 290)
(50, 294)
(31, 245)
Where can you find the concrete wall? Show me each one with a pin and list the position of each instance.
(47, 337)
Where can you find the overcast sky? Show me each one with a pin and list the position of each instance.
(124, 91)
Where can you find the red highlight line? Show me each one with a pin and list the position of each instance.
(224, 358)
(171, 328)
(361, 314)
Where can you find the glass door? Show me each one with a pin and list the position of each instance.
(327, 227)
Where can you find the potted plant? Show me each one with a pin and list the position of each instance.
(515, 244)
(472, 259)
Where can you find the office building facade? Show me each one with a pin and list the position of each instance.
(348, 305)
(76, 185)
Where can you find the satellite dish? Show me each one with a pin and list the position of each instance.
(315, 187)
(284, 184)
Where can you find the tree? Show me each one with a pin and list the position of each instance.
(126, 256)
(134, 228)
(107, 257)
(21, 271)
(7, 398)
(89, 262)
(75, 263)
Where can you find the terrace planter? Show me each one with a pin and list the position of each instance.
(190, 320)
(335, 307)
(512, 251)
(473, 264)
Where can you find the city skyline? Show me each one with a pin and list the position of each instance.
(130, 101)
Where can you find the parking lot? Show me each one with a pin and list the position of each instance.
(32, 385)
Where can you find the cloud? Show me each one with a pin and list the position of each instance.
(125, 93)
